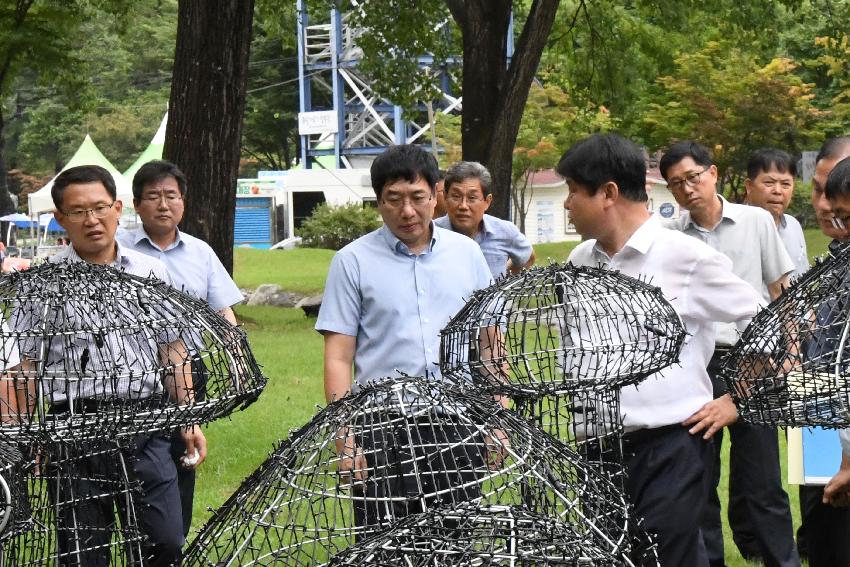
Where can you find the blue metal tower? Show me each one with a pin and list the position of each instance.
(365, 123)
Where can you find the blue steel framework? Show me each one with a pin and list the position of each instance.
(367, 124)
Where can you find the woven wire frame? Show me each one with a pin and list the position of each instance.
(473, 535)
(559, 329)
(91, 352)
(792, 364)
(589, 421)
(81, 506)
(409, 446)
(14, 510)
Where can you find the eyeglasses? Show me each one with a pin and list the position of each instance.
(690, 180)
(97, 212)
(456, 199)
(398, 202)
(157, 197)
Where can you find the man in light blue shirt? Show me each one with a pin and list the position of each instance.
(467, 188)
(387, 296)
(158, 191)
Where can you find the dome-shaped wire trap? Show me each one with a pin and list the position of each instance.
(559, 329)
(792, 364)
(470, 535)
(91, 352)
(81, 505)
(396, 448)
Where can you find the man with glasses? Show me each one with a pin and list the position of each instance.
(387, 296)
(159, 188)
(87, 208)
(467, 199)
(759, 513)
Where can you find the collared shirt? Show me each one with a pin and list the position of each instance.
(692, 276)
(192, 264)
(93, 358)
(791, 234)
(747, 236)
(499, 240)
(395, 302)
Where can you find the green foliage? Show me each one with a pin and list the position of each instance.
(728, 101)
(334, 227)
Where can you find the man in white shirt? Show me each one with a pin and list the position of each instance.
(671, 418)
(759, 510)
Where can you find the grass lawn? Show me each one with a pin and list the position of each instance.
(290, 351)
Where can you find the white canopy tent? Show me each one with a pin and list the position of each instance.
(86, 154)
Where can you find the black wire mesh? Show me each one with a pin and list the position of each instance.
(14, 511)
(473, 535)
(92, 353)
(397, 448)
(80, 504)
(792, 363)
(589, 421)
(559, 329)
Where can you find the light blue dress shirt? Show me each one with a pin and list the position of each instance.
(794, 240)
(395, 302)
(192, 264)
(499, 240)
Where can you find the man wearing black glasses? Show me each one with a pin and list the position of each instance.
(759, 513)
(87, 208)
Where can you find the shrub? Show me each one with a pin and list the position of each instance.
(334, 227)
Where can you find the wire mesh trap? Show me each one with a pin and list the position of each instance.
(80, 503)
(397, 448)
(14, 511)
(559, 329)
(792, 364)
(483, 536)
(90, 352)
(589, 421)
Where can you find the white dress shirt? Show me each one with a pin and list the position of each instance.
(699, 283)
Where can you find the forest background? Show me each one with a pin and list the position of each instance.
(736, 76)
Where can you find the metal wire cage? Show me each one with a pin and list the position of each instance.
(474, 535)
(90, 352)
(14, 511)
(397, 448)
(80, 504)
(559, 329)
(792, 363)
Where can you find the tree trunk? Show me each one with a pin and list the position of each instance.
(205, 111)
(6, 204)
(494, 96)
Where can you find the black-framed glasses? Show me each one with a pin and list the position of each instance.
(98, 212)
(457, 199)
(690, 180)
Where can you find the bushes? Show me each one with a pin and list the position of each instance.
(334, 227)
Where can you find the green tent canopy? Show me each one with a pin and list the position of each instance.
(152, 152)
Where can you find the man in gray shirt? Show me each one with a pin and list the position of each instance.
(759, 513)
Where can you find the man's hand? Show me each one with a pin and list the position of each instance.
(712, 417)
(496, 448)
(837, 490)
(195, 440)
(352, 460)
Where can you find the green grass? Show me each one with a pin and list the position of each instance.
(300, 270)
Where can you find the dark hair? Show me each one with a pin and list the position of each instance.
(765, 159)
(154, 171)
(833, 147)
(408, 162)
(679, 151)
(838, 182)
(82, 174)
(601, 158)
(463, 170)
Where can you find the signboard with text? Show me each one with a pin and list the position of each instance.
(318, 122)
